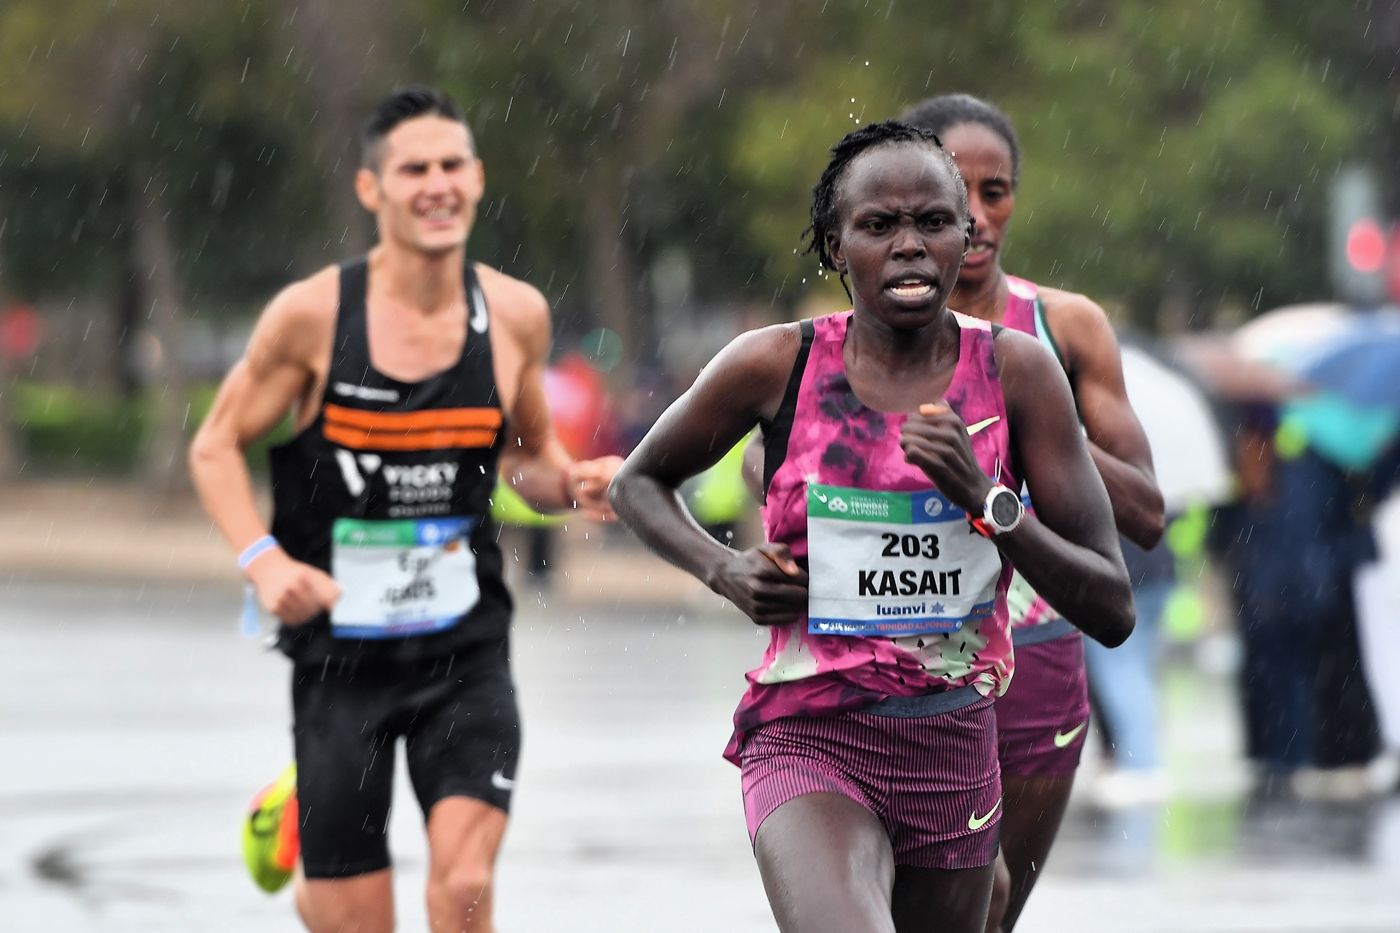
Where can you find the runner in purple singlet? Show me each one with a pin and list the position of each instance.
(897, 439)
(1042, 720)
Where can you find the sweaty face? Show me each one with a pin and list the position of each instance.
(984, 159)
(901, 232)
(428, 185)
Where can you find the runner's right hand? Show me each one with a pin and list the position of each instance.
(290, 590)
(588, 482)
(765, 583)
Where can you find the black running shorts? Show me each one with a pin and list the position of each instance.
(461, 727)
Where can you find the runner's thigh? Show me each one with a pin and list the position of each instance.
(345, 769)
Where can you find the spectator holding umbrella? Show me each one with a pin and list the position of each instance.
(1311, 471)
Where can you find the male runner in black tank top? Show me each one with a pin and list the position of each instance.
(414, 377)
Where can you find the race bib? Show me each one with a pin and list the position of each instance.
(402, 577)
(894, 564)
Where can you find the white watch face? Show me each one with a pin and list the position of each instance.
(1005, 508)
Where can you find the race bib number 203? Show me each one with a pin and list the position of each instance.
(894, 563)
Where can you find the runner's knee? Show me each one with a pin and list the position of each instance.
(465, 885)
(337, 908)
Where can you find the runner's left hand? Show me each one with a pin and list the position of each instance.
(935, 440)
(588, 486)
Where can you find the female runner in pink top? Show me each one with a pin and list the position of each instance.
(897, 436)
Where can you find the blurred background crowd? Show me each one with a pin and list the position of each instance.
(1222, 182)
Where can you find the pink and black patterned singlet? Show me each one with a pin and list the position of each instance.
(824, 435)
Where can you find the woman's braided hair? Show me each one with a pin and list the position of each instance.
(824, 219)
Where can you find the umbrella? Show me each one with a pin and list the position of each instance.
(1188, 448)
(1277, 336)
(1347, 435)
(1229, 374)
(1362, 367)
(1353, 415)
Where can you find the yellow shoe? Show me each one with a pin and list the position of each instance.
(270, 839)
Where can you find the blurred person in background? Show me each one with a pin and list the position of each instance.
(1295, 542)
(1378, 604)
(641, 403)
(1348, 732)
(867, 738)
(414, 375)
(1276, 676)
(1042, 720)
(1125, 690)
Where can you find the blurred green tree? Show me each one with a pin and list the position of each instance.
(167, 156)
(1175, 157)
(585, 114)
(153, 159)
(1355, 50)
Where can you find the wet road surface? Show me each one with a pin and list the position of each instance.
(138, 724)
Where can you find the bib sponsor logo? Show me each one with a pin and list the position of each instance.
(867, 507)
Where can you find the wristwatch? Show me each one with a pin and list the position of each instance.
(1001, 512)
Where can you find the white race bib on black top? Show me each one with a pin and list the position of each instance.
(402, 577)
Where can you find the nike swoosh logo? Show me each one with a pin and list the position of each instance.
(263, 823)
(984, 423)
(1064, 738)
(501, 782)
(479, 318)
(977, 822)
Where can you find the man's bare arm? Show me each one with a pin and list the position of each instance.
(533, 460)
(276, 373)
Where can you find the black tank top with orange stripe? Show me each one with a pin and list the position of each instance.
(388, 490)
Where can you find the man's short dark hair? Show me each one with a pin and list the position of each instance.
(415, 100)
